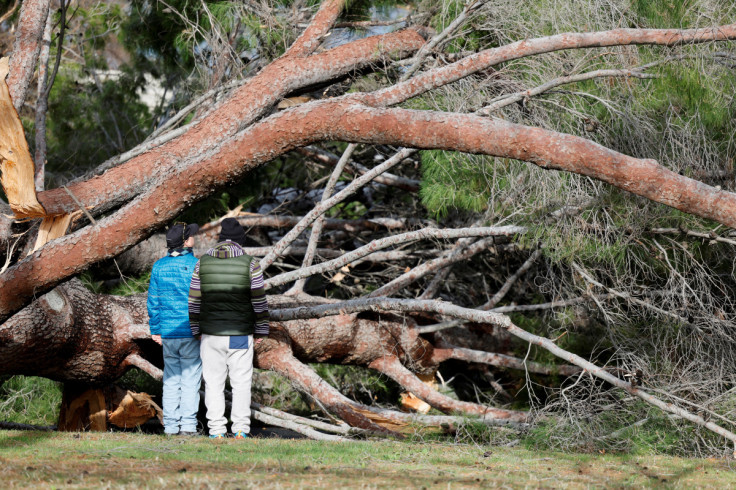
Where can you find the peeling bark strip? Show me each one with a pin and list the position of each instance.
(28, 40)
(502, 321)
(16, 164)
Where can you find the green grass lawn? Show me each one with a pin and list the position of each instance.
(94, 460)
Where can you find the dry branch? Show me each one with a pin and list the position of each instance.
(325, 157)
(381, 243)
(505, 100)
(457, 255)
(319, 222)
(325, 205)
(393, 304)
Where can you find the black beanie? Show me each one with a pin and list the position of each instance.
(231, 230)
(179, 233)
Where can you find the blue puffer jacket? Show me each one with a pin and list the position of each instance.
(168, 295)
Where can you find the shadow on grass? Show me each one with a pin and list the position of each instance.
(24, 438)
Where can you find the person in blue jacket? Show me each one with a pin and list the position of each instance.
(168, 318)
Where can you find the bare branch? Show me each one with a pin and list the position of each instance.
(418, 272)
(511, 280)
(508, 99)
(319, 222)
(393, 304)
(438, 77)
(325, 157)
(450, 29)
(326, 205)
(382, 243)
(295, 426)
(42, 103)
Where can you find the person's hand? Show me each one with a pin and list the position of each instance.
(259, 340)
(157, 339)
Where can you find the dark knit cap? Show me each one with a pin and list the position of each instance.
(179, 233)
(231, 230)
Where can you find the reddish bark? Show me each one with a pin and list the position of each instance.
(439, 77)
(345, 120)
(120, 184)
(394, 369)
(70, 334)
(27, 46)
(312, 36)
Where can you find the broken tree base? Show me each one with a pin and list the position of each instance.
(95, 409)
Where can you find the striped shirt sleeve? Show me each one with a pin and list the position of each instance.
(258, 298)
(195, 301)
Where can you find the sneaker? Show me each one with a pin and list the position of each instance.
(240, 435)
(185, 433)
(217, 436)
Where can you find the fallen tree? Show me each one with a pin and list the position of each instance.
(52, 326)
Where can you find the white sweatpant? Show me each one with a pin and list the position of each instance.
(219, 361)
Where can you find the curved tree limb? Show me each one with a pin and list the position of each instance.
(438, 77)
(342, 119)
(502, 321)
(246, 104)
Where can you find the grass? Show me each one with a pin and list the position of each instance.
(129, 460)
(29, 400)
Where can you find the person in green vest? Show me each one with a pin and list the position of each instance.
(228, 309)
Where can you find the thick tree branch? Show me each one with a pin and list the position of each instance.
(28, 42)
(320, 25)
(252, 100)
(392, 304)
(342, 119)
(438, 77)
(42, 103)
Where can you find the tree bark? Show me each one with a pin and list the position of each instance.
(27, 46)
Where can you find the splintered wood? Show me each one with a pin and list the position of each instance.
(51, 227)
(133, 410)
(16, 163)
(409, 402)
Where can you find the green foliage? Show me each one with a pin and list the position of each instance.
(363, 385)
(140, 382)
(452, 180)
(93, 120)
(30, 400)
(132, 285)
(664, 14)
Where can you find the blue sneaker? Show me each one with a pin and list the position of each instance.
(240, 435)
(217, 436)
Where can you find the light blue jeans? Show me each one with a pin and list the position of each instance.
(182, 379)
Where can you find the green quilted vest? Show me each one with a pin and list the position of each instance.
(226, 306)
